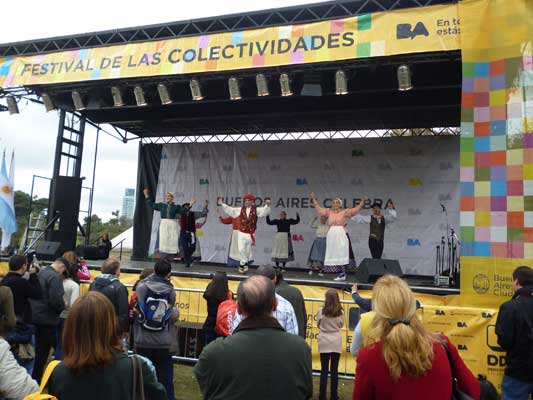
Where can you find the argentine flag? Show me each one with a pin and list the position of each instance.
(8, 222)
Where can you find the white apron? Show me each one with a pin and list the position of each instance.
(168, 236)
(281, 245)
(234, 245)
(337, 252)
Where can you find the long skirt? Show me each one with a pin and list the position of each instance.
(337, 250)
(197, 255)
(317, 253)
(233, 256)
(168, 236)
(282, 250)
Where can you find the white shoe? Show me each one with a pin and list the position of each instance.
(245, 268)
(321, 274)
(241, 270)
(311, 272)
(341, 277)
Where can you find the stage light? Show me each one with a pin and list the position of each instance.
(12, 105)
(139, 96)
(164, 94)
(196, 90)
(48, 103)
(262, 85)
(234, 89)
(404, 78)
(78, 101)
(117, 96)
(285, 85)
(341, 82)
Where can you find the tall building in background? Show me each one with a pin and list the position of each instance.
(128, 203)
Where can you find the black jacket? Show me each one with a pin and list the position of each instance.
(117, 293)
(23, 290)
(295, 297)
(45, 311)
(515, 336)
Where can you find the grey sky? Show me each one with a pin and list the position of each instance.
(32, 133)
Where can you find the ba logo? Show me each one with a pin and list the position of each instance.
(413, 242)
(356, 182)
(227, 168)
(204, 156)
(204, 181)
(406, 31)
(462, 347)
(358, 153)
(301, 181)
(297, 238)
(414, 211)
(415, 182)
(252, 181)
(275, 167)
(462, 324)
(415, 152)
(445, 165)
(481, 283)
(252, 155)
(440, 312)
(302, 154)
(444, 197)
(384, 167)
(486, 315)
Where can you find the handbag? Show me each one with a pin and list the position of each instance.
(44, 381)
(137, 379)
(457, 394)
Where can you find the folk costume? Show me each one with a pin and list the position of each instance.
(233, 255)
(318, 249)
(188, 231)
(168, 227)
(282, 251)
(377, 229)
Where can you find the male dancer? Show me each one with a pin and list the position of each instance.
(188, 231)
(248, 224)
(377, 227)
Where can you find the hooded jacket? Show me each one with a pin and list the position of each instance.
(515, 334)
(46, 310)
(110, 286)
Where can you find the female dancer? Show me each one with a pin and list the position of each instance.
(315, 262)
(337, 242)
(282, 249)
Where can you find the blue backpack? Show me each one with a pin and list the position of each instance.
(154, 311)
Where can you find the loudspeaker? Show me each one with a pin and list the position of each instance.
(88, 252)
(48, 251)
(65, 193)
(371, 269)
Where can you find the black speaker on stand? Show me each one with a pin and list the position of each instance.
(371, 269)
(48, 251)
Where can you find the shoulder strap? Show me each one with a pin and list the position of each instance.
(452, 364)
(48, 373)
(137, 377)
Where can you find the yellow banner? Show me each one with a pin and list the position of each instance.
(414, 30)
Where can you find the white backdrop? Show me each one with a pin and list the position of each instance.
(417, 173)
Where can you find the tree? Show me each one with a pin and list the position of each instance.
(22, 211)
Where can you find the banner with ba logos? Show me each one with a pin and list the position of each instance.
(416, 174)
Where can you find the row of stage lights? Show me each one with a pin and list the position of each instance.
(341, 88)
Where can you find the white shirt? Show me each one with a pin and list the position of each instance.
(365, 219)
(234, 212)
(72, 292)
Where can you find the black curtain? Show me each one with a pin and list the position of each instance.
(147, 176)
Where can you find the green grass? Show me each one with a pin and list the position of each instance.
(185, 385)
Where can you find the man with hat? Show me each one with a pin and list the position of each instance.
(248, 217)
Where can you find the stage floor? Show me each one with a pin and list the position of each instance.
(420, 284)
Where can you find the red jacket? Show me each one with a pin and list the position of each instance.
(373, 380)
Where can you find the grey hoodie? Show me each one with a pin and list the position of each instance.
(145, 338)
(110, 286)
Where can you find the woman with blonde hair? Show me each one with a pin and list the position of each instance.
(404, 361)
(338, 245)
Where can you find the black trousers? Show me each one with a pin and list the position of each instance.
(45, 339)
(158, 357)
(188, 246)
(376, 247)
(329, 362)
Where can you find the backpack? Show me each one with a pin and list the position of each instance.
(227, 310)
(44, 381)
(154, 311)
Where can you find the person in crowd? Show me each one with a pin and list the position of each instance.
(134, 303)
(95, 365)
(15, 382)
(402, 359)
(233, 253)
(216, 292)
(104, 246)
(71, 286)
(81, 265)
(46, 311)
(157, 312)
(248, 224)
(259, 361)
(168, 228)
(284, 311)
(514, 328)
(317, 254)
(108, 284)
(337, 241)
(197, 255)
(295, 297)
(282, 251)
(330, 320)
(377, 222)
(187, 241)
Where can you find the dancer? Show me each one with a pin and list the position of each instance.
(197, 255)
(377, 226)
(188, 230)
(282, 249)
(337, 242)
(248, 215)
(168, 228)
(233, 254)
(315, 262)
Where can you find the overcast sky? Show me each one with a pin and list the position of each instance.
(32, 133)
